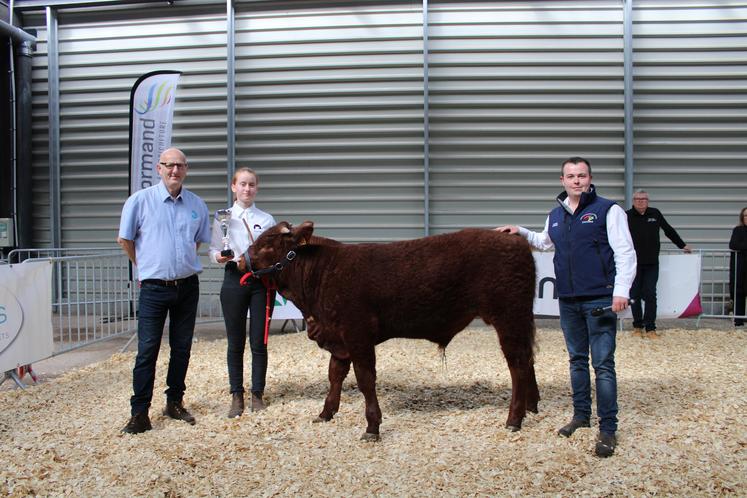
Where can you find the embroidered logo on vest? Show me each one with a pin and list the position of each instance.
(589, 218)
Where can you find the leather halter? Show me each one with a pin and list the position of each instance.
(271, 271)
(264, 275)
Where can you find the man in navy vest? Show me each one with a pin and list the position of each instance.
(595, 265)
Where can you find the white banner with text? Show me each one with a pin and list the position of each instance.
(151, 115)
(678, 289)
(25, 314)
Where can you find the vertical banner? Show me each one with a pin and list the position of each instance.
(151, 114)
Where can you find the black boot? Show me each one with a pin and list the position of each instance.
(606, 444)
(138, 423)
(571, 427)
(176, 410)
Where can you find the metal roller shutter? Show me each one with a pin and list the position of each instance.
(330, 113)
(691, 114)
(515, 88)
(329, 109)
(101, 54)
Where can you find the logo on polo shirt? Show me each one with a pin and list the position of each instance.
(589, 218)
(194, 214)
(257, 226)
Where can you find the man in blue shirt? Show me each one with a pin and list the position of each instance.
(594, 269)
(160, 230)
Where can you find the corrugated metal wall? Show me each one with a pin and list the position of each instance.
(329, 110)
(516, 87)
(101, 55)
(691, 114)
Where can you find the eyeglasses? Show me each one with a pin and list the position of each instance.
(640, 198)
(173, 165)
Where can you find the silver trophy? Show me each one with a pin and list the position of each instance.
(223, 216)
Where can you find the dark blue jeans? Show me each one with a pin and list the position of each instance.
(180, 304)
(644, 288)
(584, 333)
(235, 301)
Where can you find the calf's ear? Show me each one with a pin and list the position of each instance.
(302, 233)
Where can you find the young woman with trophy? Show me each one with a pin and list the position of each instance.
(234, 230)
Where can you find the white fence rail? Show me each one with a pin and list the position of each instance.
(715, 295)
(94, 297)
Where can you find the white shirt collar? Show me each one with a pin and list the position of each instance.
(240, 211)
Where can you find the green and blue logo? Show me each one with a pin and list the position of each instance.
(158, 96)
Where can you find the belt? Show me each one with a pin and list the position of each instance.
(584, 299)
(169, 283)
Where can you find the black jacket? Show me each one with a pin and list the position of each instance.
(644, 228)
(738, 243)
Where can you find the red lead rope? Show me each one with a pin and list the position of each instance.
(268, 301)
(267, 314)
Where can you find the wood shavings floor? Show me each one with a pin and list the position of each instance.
(683, 427)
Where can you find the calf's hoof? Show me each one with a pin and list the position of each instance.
(319, 420)
(513, 428)
(370, 438)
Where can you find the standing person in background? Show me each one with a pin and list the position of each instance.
(738, 267)
(160, 230)
(246, 224)
(644, 223)
(594, 268)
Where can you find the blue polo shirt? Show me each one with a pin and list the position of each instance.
(165, 231)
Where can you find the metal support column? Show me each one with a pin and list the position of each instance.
(53, 83)
(628, 89)
(230, 96)
(426, 127)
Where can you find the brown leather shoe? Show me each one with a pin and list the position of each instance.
(176, 410)
(257, 403)
(653, 334)
(637, 332)
(237, 405)
(138, 423)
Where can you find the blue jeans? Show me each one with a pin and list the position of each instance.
(180, 303)
(644, 288)
(236, 300)
(583, 333)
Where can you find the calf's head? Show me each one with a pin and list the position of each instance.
(275, 244)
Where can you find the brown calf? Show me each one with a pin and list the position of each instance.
(355, 296)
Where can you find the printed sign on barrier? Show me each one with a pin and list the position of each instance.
(677, 290)
(284, 309)
(25, 314)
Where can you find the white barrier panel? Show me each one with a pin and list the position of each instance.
(25, 314)
(677, 290)
(285, 309)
